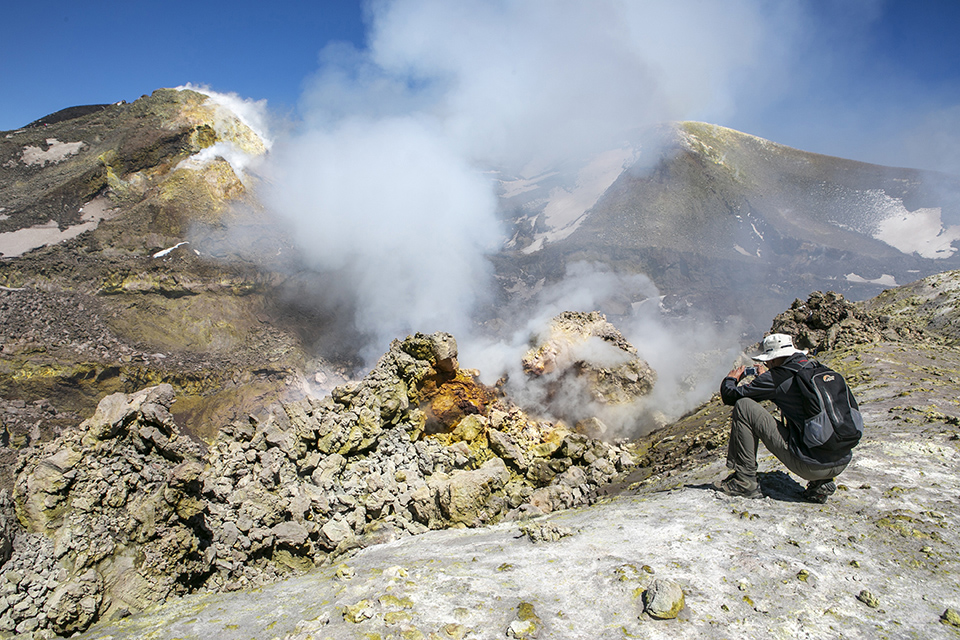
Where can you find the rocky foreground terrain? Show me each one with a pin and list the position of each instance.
(417, 504)
(124, 511)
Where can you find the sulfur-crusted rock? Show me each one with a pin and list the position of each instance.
(549, 532)
(663, 600)
(504, 446)
(135, 512)
(868, 599)
(527, 623)
(466, 497)
(950, 617)
(583, 364)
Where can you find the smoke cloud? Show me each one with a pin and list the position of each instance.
(399, 217)
(390, 181)
(689, 354)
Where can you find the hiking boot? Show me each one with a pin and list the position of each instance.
(734, 486)
(819, 490)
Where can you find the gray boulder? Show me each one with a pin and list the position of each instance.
(663, 600)
(465, 497)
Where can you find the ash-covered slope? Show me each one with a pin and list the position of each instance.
(736, 225)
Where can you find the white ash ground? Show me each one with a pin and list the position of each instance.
(775, 567)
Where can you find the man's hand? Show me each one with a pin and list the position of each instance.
(737, 374)
(739, 371)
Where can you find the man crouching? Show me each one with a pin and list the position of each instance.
(751, 423)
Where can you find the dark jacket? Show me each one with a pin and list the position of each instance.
(778, 385)
(775, 385)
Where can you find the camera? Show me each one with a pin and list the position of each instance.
(750, 371)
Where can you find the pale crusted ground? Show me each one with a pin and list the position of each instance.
(770, 568)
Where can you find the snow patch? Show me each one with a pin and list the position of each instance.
(565, 207)
(534, 246)
(166, 252)
(15, 243)
(886, 280)
(921, 231)
(513, 188)
(56, 152)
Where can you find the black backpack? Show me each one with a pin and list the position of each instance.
(832, 424)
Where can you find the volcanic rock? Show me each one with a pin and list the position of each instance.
(136, 511)
(584, 366)
(827, 321)
(663, 600)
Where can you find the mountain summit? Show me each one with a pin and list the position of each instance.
(738, 225)
(111, 228)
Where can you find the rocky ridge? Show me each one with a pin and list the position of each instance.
(125, 511)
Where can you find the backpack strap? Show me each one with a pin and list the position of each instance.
(795, 365)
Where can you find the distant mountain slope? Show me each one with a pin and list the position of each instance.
(732, 223)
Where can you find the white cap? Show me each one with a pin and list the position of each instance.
(776, 345)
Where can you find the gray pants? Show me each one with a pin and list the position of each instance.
(751, 423)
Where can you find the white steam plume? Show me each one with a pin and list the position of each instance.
(403, 220)
(690, 355)
(543, 81)
(252, 113)
(385, 182)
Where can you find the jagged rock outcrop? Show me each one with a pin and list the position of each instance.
(118, 499)
(921, 311)
(581, 362)
(585, 345)
(128, 511)
(826, 321)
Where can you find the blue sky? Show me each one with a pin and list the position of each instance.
(872, 80)
(70, 53)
